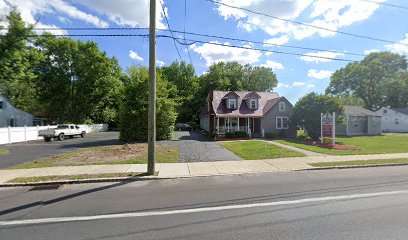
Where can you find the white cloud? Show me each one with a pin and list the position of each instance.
(133, 55)
(282, 85)
(133, 13)
(298, 84)
(272, 64)
(398, 48)
(368, 51)
(318, 57)
(217, 53)
(332, 14)
(311, 85)
(160, 63)
(278, 40)
(322, 74)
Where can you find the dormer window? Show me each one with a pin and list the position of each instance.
(232, 103)
(282, 107)
(253, 104)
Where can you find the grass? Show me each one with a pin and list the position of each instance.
(255, 150)
(3, 151)
(360, 162)
(164, 154)
(72, 177)
(390, 143)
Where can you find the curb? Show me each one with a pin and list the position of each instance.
(357, 166)
(81, 181)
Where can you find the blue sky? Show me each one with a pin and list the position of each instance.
(296, 75)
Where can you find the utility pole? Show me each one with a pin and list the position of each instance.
(152, 91)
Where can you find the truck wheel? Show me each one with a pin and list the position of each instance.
(61, 137)
(83, 134)
(47, 139)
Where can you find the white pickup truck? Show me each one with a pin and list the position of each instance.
(62, 131)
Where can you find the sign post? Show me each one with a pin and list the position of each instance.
(328, 126)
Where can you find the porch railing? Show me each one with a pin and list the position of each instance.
(223, 129)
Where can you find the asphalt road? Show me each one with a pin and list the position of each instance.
(194, 147)
(369, 203)
(26, 152)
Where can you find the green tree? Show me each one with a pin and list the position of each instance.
(182, 77)
(306, 112)
(134, 109)
(369, 78)
(77, 81)
(396, 91)
(17, 60)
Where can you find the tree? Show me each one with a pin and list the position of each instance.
(396, 91)
(17, 60)
(133, 112)
(369, 78)
(77, 82)
(306, 112)
(185, 82)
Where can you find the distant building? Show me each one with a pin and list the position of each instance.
(255, 113)
(13, 117)
(359, 121)
(394, 119)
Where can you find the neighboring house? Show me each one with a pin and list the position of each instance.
(359, 121)
(394, 119)
(13, 117)
(256, 113)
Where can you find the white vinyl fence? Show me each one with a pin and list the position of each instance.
(24, 134)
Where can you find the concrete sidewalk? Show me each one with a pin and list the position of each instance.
(176, 170)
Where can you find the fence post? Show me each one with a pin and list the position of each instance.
(9, 134)
(25, 133)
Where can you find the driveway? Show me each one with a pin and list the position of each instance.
(26, 152)
(194, 147)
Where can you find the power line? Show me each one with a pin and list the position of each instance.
(192, 41)
(386, 4)
(171, 32)
(306, 24)
(185, 17)
(211, 36)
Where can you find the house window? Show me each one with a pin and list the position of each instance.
(385, 111)
(281, 107)
(232, 103)
(282, 123)
(253, 104)
(1, 104)
(396, 121)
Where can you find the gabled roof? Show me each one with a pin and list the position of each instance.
(243, 110)
(250, 94)
(232, 92)
(401, 110)
(359, 111)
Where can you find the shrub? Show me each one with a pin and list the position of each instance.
(270, 135)
(282, 134)
(240, 134)
(301, 134)
(230, 134)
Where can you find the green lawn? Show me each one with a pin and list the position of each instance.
(3, 151)
(359, 162)
(73, 177)
(390, 143)
(94, 156)
(254, 150)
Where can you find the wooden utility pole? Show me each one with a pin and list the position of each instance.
(152, 91)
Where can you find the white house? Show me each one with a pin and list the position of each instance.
(394, 119)
(13, 117)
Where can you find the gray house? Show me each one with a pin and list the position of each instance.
(359, 121)
(13, 117)
(394, 119)
(256, 113)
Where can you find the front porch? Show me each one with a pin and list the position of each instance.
(250, 125)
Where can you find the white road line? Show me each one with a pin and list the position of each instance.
(196, 210)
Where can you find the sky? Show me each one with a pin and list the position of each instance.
(297, 75)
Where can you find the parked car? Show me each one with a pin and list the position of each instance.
(62, 131)
(183, 127)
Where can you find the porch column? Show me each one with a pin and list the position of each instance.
(238, 124)
(218, 125)
(247, 125)
(228, 124)
(253, 124)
